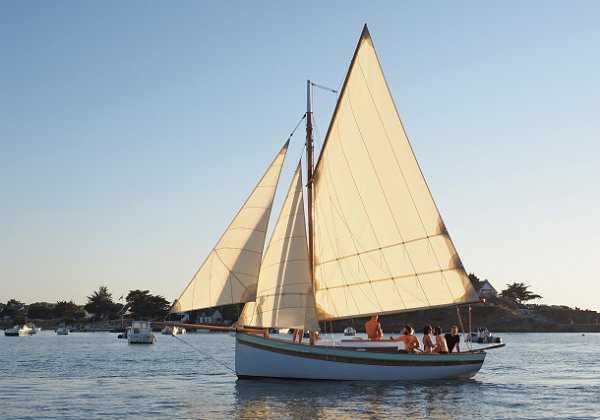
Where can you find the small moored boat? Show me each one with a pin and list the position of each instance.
(140, 333)
(482, 336)
(172, 330)
(350, 331)
(62, 330)
(18, 331)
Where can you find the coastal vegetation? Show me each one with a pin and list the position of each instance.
(143, 305)
(509, 311)
(100, 308)
(517, 292)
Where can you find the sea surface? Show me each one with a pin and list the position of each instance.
(96, 375)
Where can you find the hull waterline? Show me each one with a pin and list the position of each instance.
(258, 357)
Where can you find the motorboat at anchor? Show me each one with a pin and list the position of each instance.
(62, 330)
(140, 332)
(19, 331)
(350, 331)
(173, 330)
(482, 336)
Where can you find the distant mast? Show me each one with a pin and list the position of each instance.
(309, 175)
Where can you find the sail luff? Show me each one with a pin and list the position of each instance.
(285, 297)
(310, 180)
(380, 243)
(229, 274)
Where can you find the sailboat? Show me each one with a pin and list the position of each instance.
(372, 241)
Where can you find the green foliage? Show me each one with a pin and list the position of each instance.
(101, 305)
(517, 292)
(68, 311)
(144, 305)
(40, 310)
(232, 312)
(12, 309)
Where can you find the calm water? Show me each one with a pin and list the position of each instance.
(96, 375)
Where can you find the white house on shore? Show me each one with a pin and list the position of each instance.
(486, 290)
(210, 316)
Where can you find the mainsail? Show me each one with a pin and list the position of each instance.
(380, 243)
(230, 272)
(285, 298)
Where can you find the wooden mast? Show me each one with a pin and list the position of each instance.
(309, 176)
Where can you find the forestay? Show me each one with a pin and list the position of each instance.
(380, 243)
(230, 272)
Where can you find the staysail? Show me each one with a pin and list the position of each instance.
(380, 243)
(285, 298)
(230, 272)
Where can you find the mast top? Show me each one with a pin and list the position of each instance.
(365, 32)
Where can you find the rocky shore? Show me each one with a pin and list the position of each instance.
(497, 318)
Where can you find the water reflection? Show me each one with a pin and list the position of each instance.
(323, 400)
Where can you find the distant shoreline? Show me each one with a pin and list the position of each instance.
(497, 318)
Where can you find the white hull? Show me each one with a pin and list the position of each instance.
(142, 338)
(17, 331)
(140, 333)
(257, 357)
(173, 330)
(62, 331)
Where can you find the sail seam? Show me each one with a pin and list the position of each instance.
(393, 278)
(286, 261)
(239, 249)
(275, 166)
(400, 168)
(343, 218)
(246, 228)
(377, 177)
(381, 248)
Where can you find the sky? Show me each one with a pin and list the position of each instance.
(132, 132)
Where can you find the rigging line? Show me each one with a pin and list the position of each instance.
(379, 280)
(338, 261)
(234, 275)
(324, 87)
(192, 282)
(462, 327)
(297, 125)
(366, 212)
(347, 287)
(445, 280)
(355, 241)
(335, 244)
(205, 354)
(402, 172)
(368, 251)
(380, 183)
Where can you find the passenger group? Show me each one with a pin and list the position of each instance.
(443, 343)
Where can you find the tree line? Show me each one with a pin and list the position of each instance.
(142, 305)
(100, 306)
